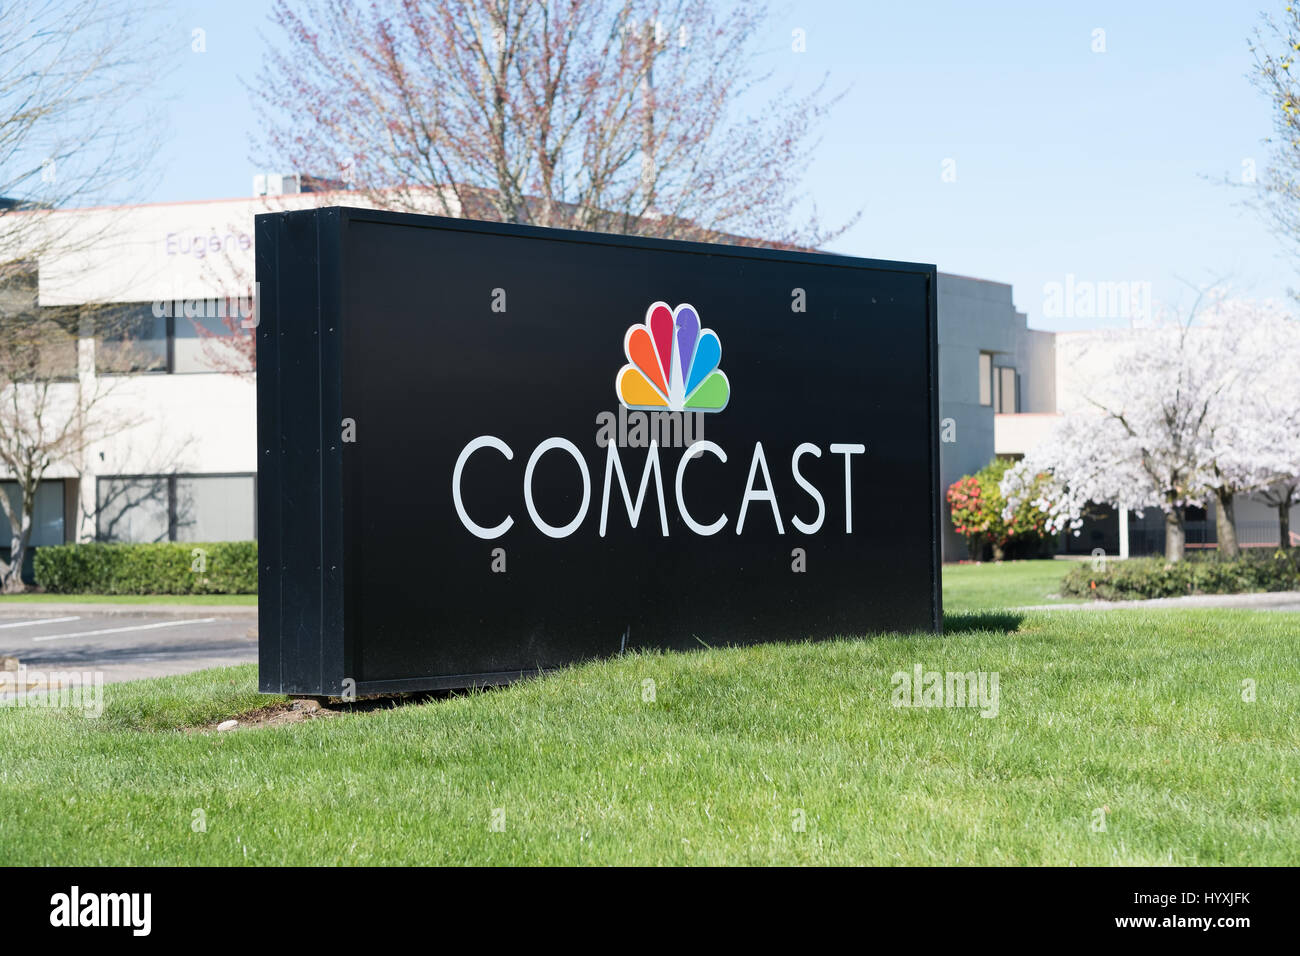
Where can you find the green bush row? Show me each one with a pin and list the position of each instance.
(1139, 578)
(219, 567)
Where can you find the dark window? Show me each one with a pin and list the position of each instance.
(189, 336)
(47, 516)
(39, 342)
(130, 338)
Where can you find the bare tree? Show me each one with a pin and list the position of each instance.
(75, 130)
(74, 127)
(631, 116)
(51, 412)
(1275, 46)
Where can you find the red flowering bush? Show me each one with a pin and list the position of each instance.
(976, 504)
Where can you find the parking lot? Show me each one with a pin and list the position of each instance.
(126, 644)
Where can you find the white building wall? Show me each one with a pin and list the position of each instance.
(191, 423)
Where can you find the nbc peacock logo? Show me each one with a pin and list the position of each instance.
(672, 364)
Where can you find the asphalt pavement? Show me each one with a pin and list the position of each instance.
(127, 642)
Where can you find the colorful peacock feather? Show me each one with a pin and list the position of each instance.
(672, 364)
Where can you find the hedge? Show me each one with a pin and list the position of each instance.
(1139, 578)
(224, 567)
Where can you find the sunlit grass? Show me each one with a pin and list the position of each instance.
(1140, 712)
(968, 587)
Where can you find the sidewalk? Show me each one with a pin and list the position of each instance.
(1265, 601)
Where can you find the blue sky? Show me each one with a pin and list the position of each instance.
(1107, 166)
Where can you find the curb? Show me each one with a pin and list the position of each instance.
(1252, 599)
(237, 612)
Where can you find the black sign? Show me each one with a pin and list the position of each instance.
(488, 450)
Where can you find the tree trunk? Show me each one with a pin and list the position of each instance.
(1284, 524)
(13, 578)
(1175, 534)
(1225, 524)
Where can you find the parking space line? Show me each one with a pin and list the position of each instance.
(43, 620)
(122, 630)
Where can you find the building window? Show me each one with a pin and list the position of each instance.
(215, 508)
(199, 344)
(132, 339)
(177, 508)
(40, 341)
(986, 378)
(133, 509)
(1005, 399)
(47, 516)
(40, 349)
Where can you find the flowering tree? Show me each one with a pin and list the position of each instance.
(980, 513)
(1269, 414)
(1255, 423)
(1282, 496)
(1190, 410)
(1142, 443)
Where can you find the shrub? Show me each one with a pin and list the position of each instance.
(1139, 578)
(225, 567)
(976, 503)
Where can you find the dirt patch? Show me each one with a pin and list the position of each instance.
(310, 708)
(272, 715)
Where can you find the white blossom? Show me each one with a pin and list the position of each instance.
(1184, 408)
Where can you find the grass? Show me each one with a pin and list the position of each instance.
(188, 599)
(971, 587)
(1136, 711)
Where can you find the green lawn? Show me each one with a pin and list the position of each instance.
(1139, 712)
(978, 587)
(196, 599)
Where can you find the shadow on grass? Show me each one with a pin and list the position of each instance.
(367, 704)
(958, 622)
